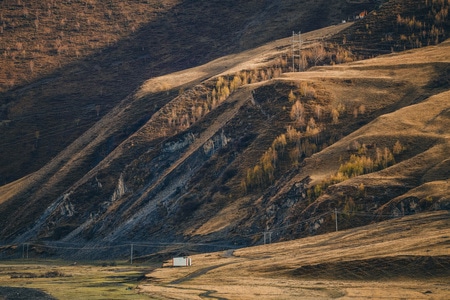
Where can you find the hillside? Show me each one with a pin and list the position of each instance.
(221, 148)
(345, 175)
(397, 259)
(66, 65)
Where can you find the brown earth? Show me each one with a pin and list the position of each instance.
(66, 65)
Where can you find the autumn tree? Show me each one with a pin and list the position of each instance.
(335, 115)
(235, 83)
(291, 96)
(398, 148)
(318, 111)
(297, 113)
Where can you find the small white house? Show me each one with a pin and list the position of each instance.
(184, 261)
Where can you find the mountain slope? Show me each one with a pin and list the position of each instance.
(147, 135)
(66, 65)
(240, 145)
(161, 187)
(400, 80)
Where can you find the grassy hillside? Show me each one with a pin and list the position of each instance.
(65, 65)
(386, 260)
(240, 144)
(180, 178)
(398, 26)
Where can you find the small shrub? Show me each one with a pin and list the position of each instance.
(292, 96)
(398, 148)
(335, 115)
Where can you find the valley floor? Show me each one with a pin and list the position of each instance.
(404, 258)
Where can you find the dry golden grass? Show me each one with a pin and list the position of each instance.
(385, 82)
(39, 37)
(378, 261)
(374, 83)
(246, 60)
(382, 85)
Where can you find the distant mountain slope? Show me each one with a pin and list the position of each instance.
(417, 179)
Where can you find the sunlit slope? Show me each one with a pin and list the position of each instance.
(406, 96)
(425, 121)
(65, 65)
(154, 100)
(200, 133)
(384, 260)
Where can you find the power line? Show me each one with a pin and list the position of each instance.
(267, 235)
(362, 214)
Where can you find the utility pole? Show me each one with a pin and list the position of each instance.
(268, 235)
(296, 49)
(131, 254)
(335, 217)
(25, 252)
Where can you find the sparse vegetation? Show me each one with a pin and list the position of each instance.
(400, 26)
(346, 268)
(359, 164)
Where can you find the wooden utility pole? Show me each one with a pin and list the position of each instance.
(268, 236)
(336, 217)
(131, 254)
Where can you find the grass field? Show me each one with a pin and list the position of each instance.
(65, 280)
(405, 258)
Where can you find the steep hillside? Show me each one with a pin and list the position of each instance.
(66, 64)
(240, 145)
(397, 26)
(197, 177)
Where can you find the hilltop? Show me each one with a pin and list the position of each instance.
(226, 147)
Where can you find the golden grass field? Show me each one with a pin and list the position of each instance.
(406, 258)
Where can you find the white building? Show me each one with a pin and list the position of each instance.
(184, 261)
